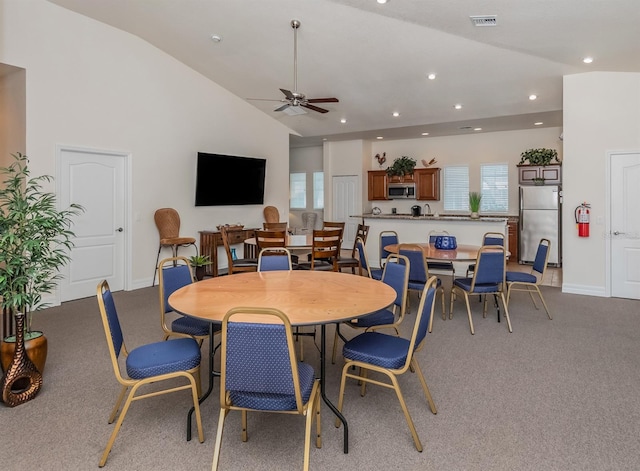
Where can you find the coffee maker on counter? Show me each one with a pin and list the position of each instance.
(416, 210)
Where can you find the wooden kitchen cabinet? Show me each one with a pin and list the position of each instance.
(427, 183)
(377, 183)
(512, 229)
(552, 174)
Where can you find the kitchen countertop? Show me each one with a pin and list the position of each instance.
(430, 217)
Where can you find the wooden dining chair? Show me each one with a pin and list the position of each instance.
(168, 223)
(239, 264)
(275, 226)
(271, 214)
(325, 250)
(353, 261)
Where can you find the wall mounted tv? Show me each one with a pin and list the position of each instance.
(227, 180)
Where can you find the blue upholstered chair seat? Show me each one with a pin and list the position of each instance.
(381, 317)
(191, 326)
(376, 273)
(419, 285)
(163, 357)
(378, 349)
(521, 277)
(270, 401)
(465, 284)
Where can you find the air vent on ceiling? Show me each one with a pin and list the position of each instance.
(484, 20)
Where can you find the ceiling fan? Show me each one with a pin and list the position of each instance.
(294, 101)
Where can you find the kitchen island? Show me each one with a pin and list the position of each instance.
(416, 229)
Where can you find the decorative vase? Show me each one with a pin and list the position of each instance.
(474, 215)
(22, 380)
(35, 347)
(200, 273)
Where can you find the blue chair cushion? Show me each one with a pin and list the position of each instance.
(163, 357)
(419, 285)
(465, 284)
(269, 401)
(386, 351)
(376, 273)
(521, 277)
(191, 326)
(381, 317)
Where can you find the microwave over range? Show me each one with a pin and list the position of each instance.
(401, 191)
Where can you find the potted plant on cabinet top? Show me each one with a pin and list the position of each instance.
(401, 167)
(35, 240)
(541, 157)
(474, 203)
(199, 262)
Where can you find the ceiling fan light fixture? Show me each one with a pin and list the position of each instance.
(294, 111)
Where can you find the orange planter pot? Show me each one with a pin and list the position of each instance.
(36, 351)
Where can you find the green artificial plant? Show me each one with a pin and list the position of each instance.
(474, 201)
(539, 156)
(402, 166)
(35, 239)
(199, 260)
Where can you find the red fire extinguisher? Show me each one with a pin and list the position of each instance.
(582, 219)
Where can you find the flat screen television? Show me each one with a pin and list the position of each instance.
(227, 180)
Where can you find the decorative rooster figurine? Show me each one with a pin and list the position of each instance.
(381, 158)
(427, 164)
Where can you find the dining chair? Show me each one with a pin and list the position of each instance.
(489, 238)
(419, 274)
(173, 274)
(530, 282)
(353, 262)
(260, 373)
(375, 273)
(275, 226)
(391, 356)
(168, 223)
(274, 238)
(309, 221)
(150, 363)
(240, 264)
(324, 250)
(386, 238)
(271, 214)
(396, 275)
(440, 266)
(488, 278)
(274, 258)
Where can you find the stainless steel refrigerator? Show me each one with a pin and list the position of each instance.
(540, 217)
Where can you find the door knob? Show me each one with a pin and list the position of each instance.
(119, 229)
(618, 233)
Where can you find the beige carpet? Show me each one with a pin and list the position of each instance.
(553, 395)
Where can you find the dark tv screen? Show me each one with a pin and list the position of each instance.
(227, 180)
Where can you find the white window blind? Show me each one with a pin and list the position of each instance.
(494, 181)
(318, 190)
(456, 188)
(298, 190)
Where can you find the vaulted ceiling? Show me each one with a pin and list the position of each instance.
(376, 58)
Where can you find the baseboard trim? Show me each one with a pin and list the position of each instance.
(585, 290)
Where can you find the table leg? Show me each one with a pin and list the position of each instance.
(212, 374)
(323, 330)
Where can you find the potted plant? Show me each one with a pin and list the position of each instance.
(538, 181)
(474, 203)
(199, 262)
(401, 167)
(35, 239)
(541, 157)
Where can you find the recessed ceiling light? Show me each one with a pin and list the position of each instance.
(477, 129)
(216, 38)
(587, 60)
(431, 76)
(458, 106)
(538, 123)
(382, 2)
(533, 97)
(343, 120)
(425, 133)
(396, 114)
(379, 137)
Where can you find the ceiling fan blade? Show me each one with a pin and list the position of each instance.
(315, 108)
(283, 107)
(287, 93)
(323, 100)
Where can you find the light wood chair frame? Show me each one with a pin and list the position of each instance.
(532, 288)
(310, 410)
(192, 376)
(493, 235)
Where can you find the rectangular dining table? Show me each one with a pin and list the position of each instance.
(306, 297)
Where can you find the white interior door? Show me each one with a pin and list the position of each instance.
(96, 181)
(346, 191)
(625, 225)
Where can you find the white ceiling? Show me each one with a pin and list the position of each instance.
(376, 58)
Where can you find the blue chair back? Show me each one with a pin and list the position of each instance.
(274, 263)
(387, 238)
(113, 322)
(540, 262)
(490, 267)
(174, 278)
(493, 241)
(395, 275)
(362, 254)
(261, 366)
(417, 269)
(426, 310)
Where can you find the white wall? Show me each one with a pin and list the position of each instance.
(91, 85)
(601, 114)
(306, 160)
(13, 134)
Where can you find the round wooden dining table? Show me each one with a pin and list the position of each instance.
(307, 297)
